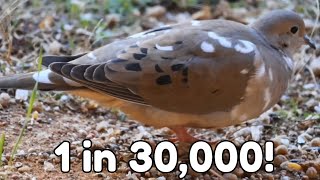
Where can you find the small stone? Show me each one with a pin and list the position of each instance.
(282, 149)
(315, 66)
(230, 176)
(4, 99)
(315, 142)
(24, 169)
(312, 173)
(279, 159)
(22, 95)
(291, 166)
(238, 172)
(102, 126)
(18, 165)
(155, 11)
(48, 167)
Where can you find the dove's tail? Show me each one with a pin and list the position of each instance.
(47, 80)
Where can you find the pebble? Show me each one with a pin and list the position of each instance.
(312, 173)
(102, 126)
(24, 169)
(230, 176)
(48, 167)
(291, 166)
(282, 149)
(18, 165)
(155, 11)
(4, 99)
(279, 159)
(315, 142)
(22, 95)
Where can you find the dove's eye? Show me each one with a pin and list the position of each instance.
(294, 29)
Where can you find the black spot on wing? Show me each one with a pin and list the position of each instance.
(167, 58)
(133, 46)
(144, 50)
(164, 80)
(178, 42)
(158, 29)
(118, 60)
(158, 68)
(177, 67)
(139, 56)
(133, 67)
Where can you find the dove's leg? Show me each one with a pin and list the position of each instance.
(183, 135)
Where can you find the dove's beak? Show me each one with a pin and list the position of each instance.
(309, 42)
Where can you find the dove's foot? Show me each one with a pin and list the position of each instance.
(183, 136)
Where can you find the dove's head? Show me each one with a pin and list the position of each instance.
(284, 30)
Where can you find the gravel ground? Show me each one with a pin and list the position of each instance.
(60, 28)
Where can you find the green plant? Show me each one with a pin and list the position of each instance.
(28, 116)
(2, 140)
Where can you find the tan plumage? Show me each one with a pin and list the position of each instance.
(204, 74)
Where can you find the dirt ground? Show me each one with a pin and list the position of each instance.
(69, 28)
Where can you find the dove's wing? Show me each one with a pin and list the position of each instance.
(187, 70)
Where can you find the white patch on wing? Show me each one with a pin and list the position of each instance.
(222, 40)
(164, 48)
(92, 56)
(288, 61)
(42, 76)
(245, 47)
(195, 23)
(261, 71)
(267, 98)
(207, 47)
(270, 74)
(71, 83)
(244, 71)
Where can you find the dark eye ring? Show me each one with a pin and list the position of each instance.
(294, 29)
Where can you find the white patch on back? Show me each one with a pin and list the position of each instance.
(71, 83)
(261, 71)
(222, 40)
(164, 48)
(207, 47)
(288, 61)
(244, 71)
(195, 23)
(245, 47)
(270, 74)
(92, 56)
(267, 98)
(42, 76)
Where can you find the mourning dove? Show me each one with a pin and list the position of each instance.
(201, 74)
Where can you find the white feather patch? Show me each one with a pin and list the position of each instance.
(42, 76)
(164, 48)
(245, 47)
(222, 40)
(195, 23)
(244, 71)
(288, 61)
(270, 74)
(92, 56)
(267, 98)
(207, 47)
(261, 71)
